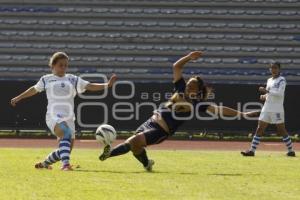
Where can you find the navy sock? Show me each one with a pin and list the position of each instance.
(64, 151)
(288, 142)
(52, 158)
(120, 149)
(142, 157)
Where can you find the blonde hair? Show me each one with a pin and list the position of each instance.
(57, 56)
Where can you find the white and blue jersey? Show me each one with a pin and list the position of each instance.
(60, 93)
(275, 95)
(273, 111)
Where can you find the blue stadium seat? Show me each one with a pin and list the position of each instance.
(97, 23)
(185, 11)
(144, 47)
(127, 47)
(267, 49)
(40, 45)
(92, 46)
(180, 35)
(249, 49)
(125, 59)
(66, 9)
(285, 37)
(7, 45)
(122, 70)
(82, 10)
(151, 11)
(232, 48)
(202, 11)
(166, 24)
(159, 59)
(100, 10)
(43, 33)
(134, 10)
(110, 46)
(139, 71)
(90, 59)
(78, 34)
(20, 57)
(38, 57)
(131, 23)
(248, 60)
(199, 36)
(167, 11)
(142, 59)
(284, 49)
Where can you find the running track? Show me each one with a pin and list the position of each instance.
(167, 145)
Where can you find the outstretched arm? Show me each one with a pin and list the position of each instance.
(226, 111)
(28, 93)
(101, 86)
(178, 65)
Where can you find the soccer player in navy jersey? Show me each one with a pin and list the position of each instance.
(188, 97)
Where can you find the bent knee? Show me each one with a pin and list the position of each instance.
(137, 142)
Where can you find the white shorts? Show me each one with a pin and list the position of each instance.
(52, 121)
(272, 117)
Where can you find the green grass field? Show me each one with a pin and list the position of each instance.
(177, 175)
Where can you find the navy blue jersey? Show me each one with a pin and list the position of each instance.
(175, 116)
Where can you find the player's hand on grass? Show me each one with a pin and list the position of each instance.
(112, 80)
(14, 101)
(262, 90)
(194, 55)
(263, 97)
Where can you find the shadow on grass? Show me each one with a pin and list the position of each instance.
(225, 174)
(133, 172)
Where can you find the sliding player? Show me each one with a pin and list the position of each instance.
(188, 98)
(272, 111)
(61, 89)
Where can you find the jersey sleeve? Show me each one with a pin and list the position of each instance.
(40, 85)
(81, 85)
(179, 86)
(278, 89)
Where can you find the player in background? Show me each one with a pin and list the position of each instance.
(272, 111)
(61, 89)
(189, 97)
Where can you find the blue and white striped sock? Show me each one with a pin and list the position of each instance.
(64, 151)
(255, 143)
(288, 142)
(52, 158)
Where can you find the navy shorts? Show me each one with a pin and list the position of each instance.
(153, 132)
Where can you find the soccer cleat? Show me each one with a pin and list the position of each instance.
(40, 165)
(149, 166)
(106, 153)
(248, 153)
(291, 154)
(67, 167)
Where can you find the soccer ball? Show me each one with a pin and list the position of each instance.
(105, 134)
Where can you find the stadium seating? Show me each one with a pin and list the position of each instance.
(141, 39)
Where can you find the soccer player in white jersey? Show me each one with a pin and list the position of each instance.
(272, 111)
(61, 88)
